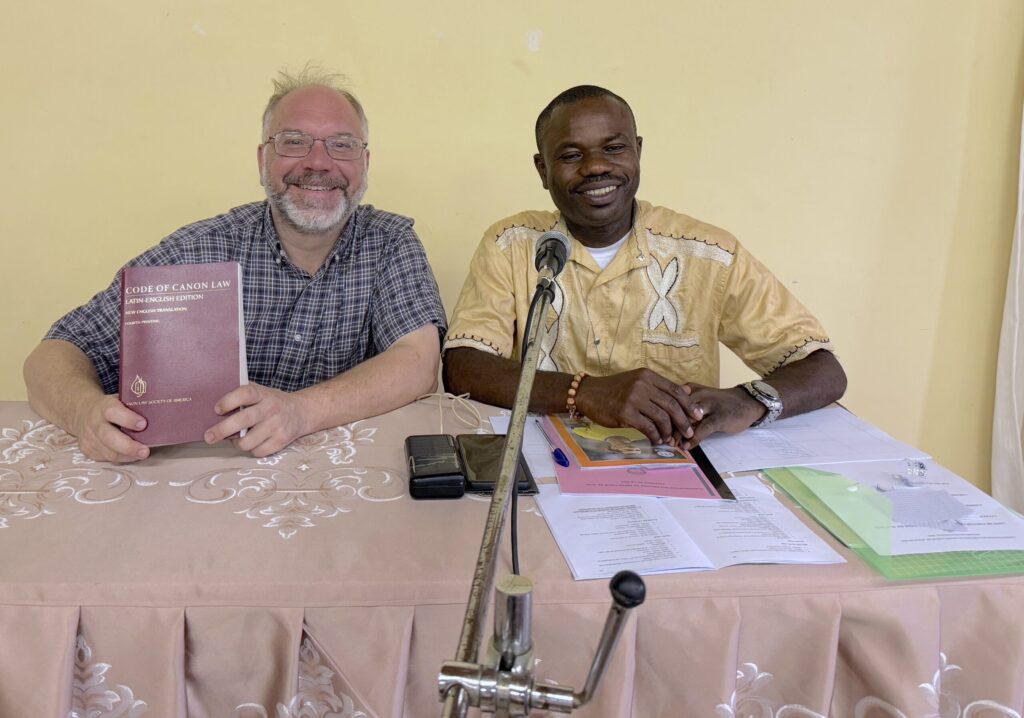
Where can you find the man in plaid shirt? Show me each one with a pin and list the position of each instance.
(342, 314)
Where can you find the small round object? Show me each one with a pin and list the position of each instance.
(628, 589)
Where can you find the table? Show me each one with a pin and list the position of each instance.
(204, 582)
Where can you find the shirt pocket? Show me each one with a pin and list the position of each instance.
(678, 357)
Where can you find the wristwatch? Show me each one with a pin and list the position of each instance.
(766, 394)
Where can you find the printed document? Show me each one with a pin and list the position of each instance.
(898, 513)
(601, 535)
(756, 528)
(827, 436)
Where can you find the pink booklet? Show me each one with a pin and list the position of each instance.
(182, 347)
(689, 475)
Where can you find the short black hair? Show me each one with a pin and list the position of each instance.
(570, 96)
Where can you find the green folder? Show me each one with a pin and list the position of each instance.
(953, 564)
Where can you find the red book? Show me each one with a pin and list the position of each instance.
(182, 347)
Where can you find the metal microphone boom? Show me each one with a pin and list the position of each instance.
(505, 685)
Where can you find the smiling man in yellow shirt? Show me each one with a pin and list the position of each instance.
(645, 298)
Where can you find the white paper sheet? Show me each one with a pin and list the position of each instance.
(601, 535)
(756, 528)
(826, 436)
(930, 522)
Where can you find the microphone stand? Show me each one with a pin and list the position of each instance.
(505, 685)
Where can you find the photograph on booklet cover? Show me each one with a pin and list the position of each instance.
(182, 347)
(596, 446)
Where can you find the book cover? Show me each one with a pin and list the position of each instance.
(182, 347)
(621, 460)
(594, 446)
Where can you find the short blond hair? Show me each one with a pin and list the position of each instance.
(311, 75)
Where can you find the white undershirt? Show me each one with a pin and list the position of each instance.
(604, 255)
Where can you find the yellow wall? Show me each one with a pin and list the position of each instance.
(867, 151)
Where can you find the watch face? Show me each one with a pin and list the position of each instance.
(767, 389)
(766, 394)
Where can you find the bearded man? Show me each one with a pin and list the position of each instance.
(343, 318)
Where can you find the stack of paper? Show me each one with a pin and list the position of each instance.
(601, 535)
(827, 436)
(897, 514)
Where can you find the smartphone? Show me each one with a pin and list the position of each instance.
(481, 459)
(435, 467)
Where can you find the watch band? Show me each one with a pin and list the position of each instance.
(769, 397)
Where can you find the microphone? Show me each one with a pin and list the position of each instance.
(552, 253)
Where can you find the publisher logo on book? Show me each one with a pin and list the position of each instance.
(138, 386)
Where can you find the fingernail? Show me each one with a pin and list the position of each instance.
(140, 424)
(208, 437)
(142, 453)
(698, 411)
(688, 433)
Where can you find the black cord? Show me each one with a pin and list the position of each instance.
(529, 318)
(514, 523)
(513, 529)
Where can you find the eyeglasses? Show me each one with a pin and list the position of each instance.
(299, 144)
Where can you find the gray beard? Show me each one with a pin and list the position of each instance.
(314, 220)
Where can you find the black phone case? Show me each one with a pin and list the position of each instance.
(435, 467)
(481, 458)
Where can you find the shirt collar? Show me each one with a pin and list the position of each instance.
(635, 249)
(269, 235)
(339, 251)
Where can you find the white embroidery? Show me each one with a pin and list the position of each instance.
(985, 708)
(339, 444)
(662, 280)
(293, 487)
(90, 697)
(870, 703)
(472, 343)
(946, 704)
(751, 685)
(317, 696)
(745, 701)
(41, 465)
(32, 438)
(804, 350)
(522, 234)
(670, 246)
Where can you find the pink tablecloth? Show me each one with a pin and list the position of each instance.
(206, 583)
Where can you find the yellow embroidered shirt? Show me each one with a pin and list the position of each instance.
(675, 289)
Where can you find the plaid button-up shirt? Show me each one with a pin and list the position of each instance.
(374, 287)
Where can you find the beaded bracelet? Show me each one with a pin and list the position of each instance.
(570, 402)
